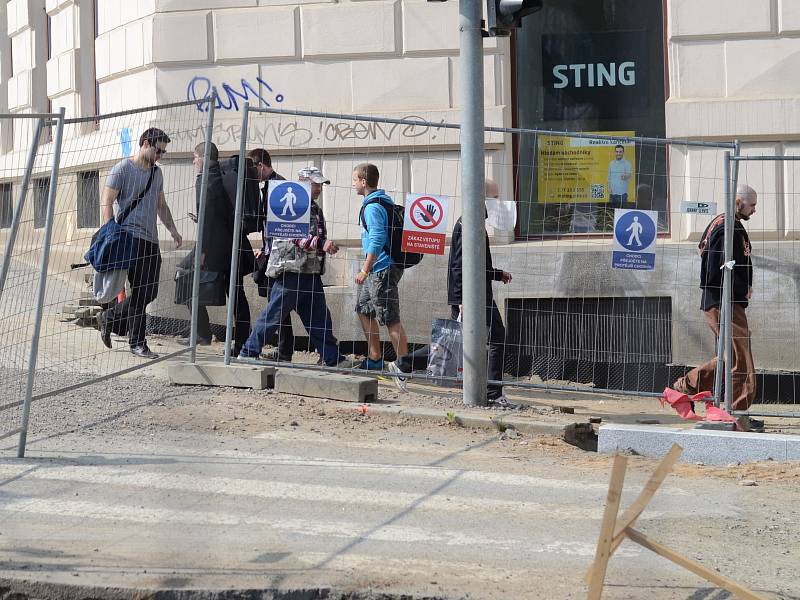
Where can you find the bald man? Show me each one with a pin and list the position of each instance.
(712, 253)
(494, 323)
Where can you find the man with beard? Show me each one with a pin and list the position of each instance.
(712, 253)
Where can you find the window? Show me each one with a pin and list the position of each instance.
(41, 189)
(89, 199)
(590, 66)
(6, 205)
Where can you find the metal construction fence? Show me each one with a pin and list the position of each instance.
(49, 309)
(567, 318)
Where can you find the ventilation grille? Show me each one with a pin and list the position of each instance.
(599, 330)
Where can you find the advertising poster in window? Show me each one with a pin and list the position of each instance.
(586, 170)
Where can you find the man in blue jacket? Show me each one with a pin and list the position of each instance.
(378, 294)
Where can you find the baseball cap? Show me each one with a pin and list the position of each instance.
(314, 174)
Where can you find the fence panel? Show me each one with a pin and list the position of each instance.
(21, 205)
(71, 352)
(570, 319)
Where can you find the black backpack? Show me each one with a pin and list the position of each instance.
(253, 214)
(396, 214)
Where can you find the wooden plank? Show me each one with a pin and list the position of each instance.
(695, 567)
(603, 554)
(629, 517)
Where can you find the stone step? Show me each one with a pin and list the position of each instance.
(217, 374)
(322, 384)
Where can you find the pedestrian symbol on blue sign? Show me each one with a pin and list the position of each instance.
(288, 209)
(634, 239)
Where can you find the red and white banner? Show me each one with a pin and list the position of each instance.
(425, 224)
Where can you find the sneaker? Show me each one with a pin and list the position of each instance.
(143, 352)
(245, 358)
(185, 341)
(680, 386)
(400, 381)
(503, 403)
(105, 330)
(348, 362)
(273, 355)
(750, 424)
(371, 365)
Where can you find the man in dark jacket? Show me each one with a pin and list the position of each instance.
(216, 249)
(712, 252)
(494, 322)
(284, 349)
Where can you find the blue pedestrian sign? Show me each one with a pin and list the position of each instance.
(288, 209)
(634, 239)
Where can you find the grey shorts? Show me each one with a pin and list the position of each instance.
(379, 297)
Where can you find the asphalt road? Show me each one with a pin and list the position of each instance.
(398, 508)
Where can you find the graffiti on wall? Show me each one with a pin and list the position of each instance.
(229, 96)
(295, 133)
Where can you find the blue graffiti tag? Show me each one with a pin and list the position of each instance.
(200, 88)
(125, 141)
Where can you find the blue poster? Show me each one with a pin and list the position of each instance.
(288, 209)
(634, 239)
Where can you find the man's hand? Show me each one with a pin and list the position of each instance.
(361, 277)
(749, 293)
(330, 247)
(257, 253)
(506, 277)
(178, 239)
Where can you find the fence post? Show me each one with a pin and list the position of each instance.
(473, 262)
(727, 306)
(201, 219)
(17, 217)
(237, 233)
(37, 325)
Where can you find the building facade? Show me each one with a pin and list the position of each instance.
(713, 70)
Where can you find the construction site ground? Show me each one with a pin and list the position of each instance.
(133, 483)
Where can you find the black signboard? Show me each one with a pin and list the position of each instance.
(595, 75)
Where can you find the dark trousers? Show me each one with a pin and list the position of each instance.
(143, 276)
(302, 293)
(241, 318)
(285, 334)
(496, 333)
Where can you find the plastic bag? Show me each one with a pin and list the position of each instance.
(446, 357)
(108, 284)
(501, 214)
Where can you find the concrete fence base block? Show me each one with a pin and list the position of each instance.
(217, 374)
(320, 384)
(699, 445)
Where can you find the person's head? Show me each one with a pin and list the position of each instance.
(200, 152)
(365, 179)
(746, 200)
(153, 144)
(619, 151)
(492, 190)
(644, 196)
(262, 161)
(315, 177)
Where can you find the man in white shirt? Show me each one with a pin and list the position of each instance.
(620, 172)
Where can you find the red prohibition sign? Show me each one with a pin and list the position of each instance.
(430, 221)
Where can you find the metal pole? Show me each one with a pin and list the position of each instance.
(237, 232)
(23, 192)
(37, 325)
(727, 306)
(718, 372)
(473, 249)
(201, 219)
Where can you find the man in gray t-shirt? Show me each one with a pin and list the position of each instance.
(129, 179)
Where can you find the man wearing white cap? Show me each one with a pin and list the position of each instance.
(297, 266)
